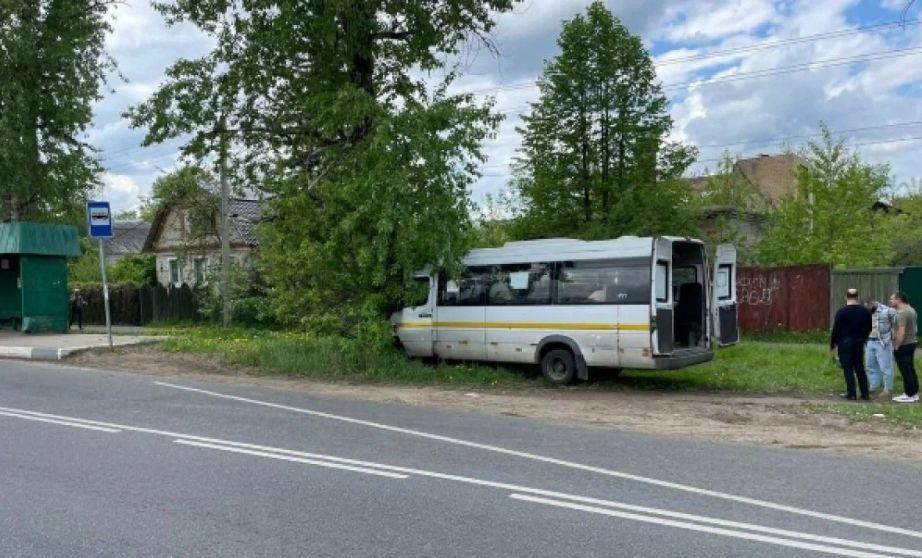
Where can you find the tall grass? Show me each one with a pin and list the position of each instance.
(335, 358)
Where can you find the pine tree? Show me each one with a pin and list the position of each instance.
(595, 159)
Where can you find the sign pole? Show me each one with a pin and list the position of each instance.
(105, 290)
(99, 219)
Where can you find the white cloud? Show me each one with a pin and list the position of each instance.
(756, 111)
(716, 19)
(121, 191)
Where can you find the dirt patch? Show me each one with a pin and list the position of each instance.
(764, 420)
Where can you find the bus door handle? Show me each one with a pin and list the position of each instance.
(425, 315)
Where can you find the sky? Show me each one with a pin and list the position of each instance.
(746, 77)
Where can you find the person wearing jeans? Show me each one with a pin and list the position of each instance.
(904, 347)
(879, 350)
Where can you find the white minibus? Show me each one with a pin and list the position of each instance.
(569, 305)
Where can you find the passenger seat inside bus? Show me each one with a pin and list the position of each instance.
(689, 312)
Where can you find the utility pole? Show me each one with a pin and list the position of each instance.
(225, 229)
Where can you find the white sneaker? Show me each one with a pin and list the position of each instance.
(906, 399)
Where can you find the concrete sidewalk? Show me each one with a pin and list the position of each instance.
(59, 346)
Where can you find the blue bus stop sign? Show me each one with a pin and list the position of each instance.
(99, 215)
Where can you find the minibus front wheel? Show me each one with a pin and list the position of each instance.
(558, 366)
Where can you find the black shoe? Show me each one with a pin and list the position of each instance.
(848, 396)
(865, 397)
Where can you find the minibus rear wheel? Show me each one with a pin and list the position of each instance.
(558, 366)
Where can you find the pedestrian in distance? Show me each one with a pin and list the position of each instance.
(904, 347)
(879, 350)
(850, 332)
(77, 306)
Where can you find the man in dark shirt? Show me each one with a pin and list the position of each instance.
(849, 334)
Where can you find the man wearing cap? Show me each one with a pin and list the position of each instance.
(850, 332)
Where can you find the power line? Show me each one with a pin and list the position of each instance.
(859, 58)
(813, 135)
(771, 72)
(906, 11)
(791, 41)
(717, 159)
(863, 144)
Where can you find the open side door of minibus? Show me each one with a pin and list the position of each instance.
(723, 298)
(662, 309)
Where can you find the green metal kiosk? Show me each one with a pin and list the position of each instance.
(33, 275)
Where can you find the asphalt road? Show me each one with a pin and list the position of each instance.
(112, 464)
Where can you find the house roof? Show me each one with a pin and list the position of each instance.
(128, 237)
(243, 216)
(39, 239)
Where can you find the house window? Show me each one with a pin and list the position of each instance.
(200, 266)
(175, 272)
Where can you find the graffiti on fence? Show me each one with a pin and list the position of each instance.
(757, 290)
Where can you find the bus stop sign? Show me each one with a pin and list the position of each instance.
(100, 219)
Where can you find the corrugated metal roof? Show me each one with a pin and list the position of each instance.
(39, 239)
(127, 237)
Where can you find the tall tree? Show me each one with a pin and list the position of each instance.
(831, 216)
(595, 159)
(52, 64)
(366, 166)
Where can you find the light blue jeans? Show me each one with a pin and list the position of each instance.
(879, 363)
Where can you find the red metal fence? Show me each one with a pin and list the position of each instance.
(783, 298)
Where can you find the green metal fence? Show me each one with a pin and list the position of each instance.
(877, 283)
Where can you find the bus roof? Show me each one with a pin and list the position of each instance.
(567, 249)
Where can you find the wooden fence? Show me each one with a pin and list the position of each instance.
(133, 305)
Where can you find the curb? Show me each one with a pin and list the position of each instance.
(34, 353)
(52, 353)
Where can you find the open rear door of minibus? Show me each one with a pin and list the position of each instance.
(662, 309)
(723, 301)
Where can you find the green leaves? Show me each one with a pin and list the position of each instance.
(52, 62)
(832, 216)
(366, 171)
(595, 161)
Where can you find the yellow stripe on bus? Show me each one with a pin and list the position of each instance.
(530, 325)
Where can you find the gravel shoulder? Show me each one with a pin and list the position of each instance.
(782, 421)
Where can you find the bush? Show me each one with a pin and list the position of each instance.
(139, 269)
(249, 304)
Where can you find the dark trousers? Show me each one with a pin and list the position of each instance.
(904, 360)
(851, 356)
(76, 313)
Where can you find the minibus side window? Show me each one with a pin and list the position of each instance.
(520, 284)
(468, 290)
(603, 282)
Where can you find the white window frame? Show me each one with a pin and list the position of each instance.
(179, 272)
(204, 269)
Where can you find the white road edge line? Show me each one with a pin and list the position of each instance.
(62, 422)
(562, 463)
(701, 528)
(229, 445)
(293, 459)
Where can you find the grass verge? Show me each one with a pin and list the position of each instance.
(332, 358)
